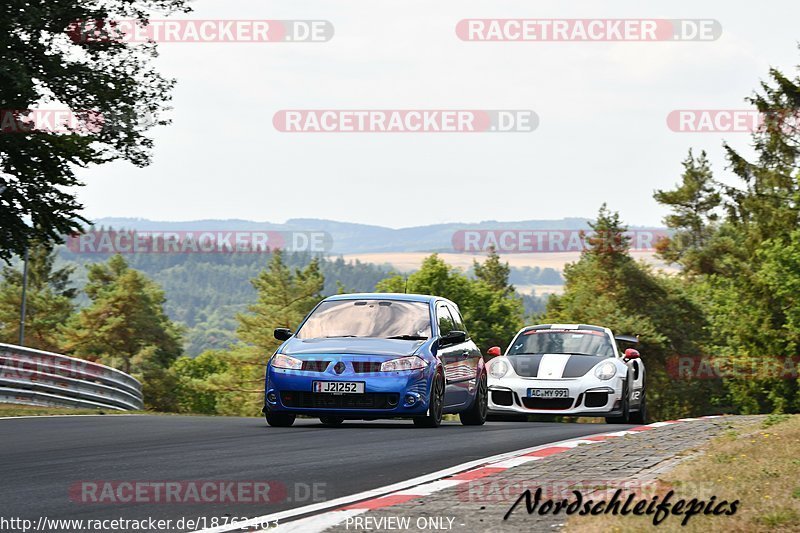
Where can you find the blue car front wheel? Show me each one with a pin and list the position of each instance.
(433, 419)
(476, 415)
(279, 420)
(331, 421)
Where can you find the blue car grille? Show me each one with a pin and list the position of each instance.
(315, 366)
(366, 367)
(312, 400)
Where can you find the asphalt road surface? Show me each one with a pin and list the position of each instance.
(49, 466)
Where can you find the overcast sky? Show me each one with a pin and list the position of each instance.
(602, 136)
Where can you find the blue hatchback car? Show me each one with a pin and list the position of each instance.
(373, 356)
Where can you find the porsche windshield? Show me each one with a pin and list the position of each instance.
(577, 341)
(368, 318)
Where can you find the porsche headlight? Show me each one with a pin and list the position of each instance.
(498, 368)
(605, 371)
(404, 363)
(284, 361)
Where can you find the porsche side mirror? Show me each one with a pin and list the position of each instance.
(454, 337)
(494, 351)
(630, 353)
(282, 334)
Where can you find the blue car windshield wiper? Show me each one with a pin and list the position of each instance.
(408, 337)
(338, 336)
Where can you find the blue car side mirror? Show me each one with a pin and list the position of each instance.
(282, 334)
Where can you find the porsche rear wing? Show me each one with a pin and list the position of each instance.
(627, 338)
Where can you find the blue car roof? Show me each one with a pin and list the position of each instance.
(386, 296)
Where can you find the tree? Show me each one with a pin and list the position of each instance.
(125, 325)
(743, 270)
(493, 272)
(194, 392)
(107, 84)
(693, 203)
(607, 287)
(49, 300)
(284, 299)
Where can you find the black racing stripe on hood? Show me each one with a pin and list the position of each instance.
(579, 365)
(526, 366)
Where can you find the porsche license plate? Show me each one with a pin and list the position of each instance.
(548, 393)
(339, 387)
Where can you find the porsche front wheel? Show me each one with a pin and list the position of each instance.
(625, 415)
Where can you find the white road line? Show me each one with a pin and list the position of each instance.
(515, 461)
(577, 442)
(430, 488)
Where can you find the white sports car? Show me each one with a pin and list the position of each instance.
(569, 369)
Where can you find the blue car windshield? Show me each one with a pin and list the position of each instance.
(368, 318)
(576, 341)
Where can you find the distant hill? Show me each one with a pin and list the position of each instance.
(349, 238)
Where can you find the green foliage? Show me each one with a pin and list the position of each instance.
(194, 392)
(284, 298)
(109, 79)
(125, 325)
(234, 379)
(744, 268)
(774, 419)
(694, 203)
(49, 300)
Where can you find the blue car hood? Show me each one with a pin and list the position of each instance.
(348, 345)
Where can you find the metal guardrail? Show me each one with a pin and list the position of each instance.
(34, 377)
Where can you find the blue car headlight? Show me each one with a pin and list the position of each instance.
(287, 362)
(403, 363)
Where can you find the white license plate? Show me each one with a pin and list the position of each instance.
(548, 393)
(339, 387)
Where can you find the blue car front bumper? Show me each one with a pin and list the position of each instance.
(386, 394)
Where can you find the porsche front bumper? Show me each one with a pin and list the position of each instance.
(587, 396)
